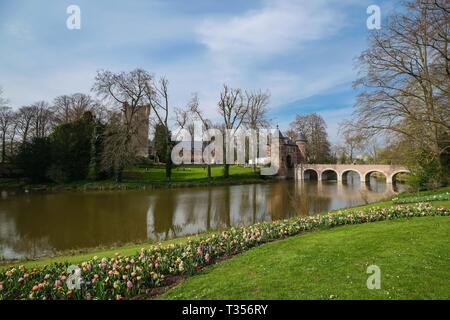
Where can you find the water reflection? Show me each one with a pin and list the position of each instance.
(39, 224)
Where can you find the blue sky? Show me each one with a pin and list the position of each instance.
(301, 51)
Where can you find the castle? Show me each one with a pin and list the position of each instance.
(290, 154)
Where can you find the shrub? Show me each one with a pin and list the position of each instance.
(428, 175)
(71, 148)
(34, 158)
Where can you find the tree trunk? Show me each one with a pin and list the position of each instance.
(119, 175)
(209, 172)
(226, 170)
(3, 147)
(169, 170)
(168, 157)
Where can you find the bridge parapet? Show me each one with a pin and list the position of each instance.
(364, 170)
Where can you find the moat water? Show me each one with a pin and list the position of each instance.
(39, 224)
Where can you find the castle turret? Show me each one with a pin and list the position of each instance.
(301, 144)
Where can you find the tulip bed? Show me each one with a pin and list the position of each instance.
(125, 277)
(427, 198)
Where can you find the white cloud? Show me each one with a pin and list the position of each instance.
(246, 50)
(279, 46)
(279, 26)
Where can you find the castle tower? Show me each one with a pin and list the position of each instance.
(138, 119)
(301, 144)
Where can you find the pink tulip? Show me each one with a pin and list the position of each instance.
(129, 285)
(35, 288)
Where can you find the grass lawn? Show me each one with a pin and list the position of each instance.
(181, 175)
(413, 255)
(154, 176)
(190, 173)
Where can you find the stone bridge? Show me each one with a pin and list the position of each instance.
(340, 171)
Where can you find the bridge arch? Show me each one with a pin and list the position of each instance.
(368, 173)
(311, 174)
(325, 174)
(392, 177)
(324, 171)
(345, 173)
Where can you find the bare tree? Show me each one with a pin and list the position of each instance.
(42, 120)
(127, 91)
(25, 116)
(314, 128)
(233, 110)
(13, 132)
(194, 108)
(157, 94)
(405, 76)
(184, 119)
(6, 117)
(256, 116)
(119, 151)
(353, 141)
(69, 108)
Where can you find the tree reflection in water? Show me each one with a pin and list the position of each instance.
(39, 224)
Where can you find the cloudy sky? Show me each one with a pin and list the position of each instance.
(302, 51)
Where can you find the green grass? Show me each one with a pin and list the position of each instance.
(191, 173)
(155, 176)
(413, 255)
(423, 193)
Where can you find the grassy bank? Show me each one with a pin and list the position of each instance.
(151, 177)
(413, 256)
